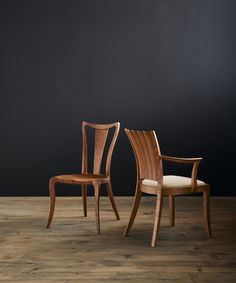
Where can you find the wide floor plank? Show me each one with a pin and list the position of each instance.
(70, 251)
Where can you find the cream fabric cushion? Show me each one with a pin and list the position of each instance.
(172, 181)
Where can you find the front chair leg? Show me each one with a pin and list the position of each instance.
(97, 197)
(172, 209)
(157, 218)
(84, 196)
(52, 201)
(136, 203)
(206, 212)
(112, 200)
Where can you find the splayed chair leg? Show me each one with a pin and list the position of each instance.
(97, 198)
(52, 201)
(206, 212)
(172, 209)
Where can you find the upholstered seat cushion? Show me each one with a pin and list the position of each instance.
(172, 181)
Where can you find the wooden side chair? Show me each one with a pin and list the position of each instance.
(150, 180)
(96, 179)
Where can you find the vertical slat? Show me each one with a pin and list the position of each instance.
(154, 156)
(144, 151)
(159, 160)
(111, 148)
(141, 156)
(99, 145)
(155, 153)
(137, 147)
(150, 157)
(84, 150)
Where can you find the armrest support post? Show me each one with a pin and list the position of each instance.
(195, 163)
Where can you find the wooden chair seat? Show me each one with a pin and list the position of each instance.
(81, 178)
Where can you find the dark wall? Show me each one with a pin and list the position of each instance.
(163, 65)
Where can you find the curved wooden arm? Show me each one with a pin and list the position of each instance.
(181, 159)
(194, 161)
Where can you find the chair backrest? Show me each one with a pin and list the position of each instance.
(101, 134)
(147, 154)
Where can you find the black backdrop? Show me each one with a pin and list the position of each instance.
(163, 65)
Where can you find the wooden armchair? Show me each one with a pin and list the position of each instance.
(96, 178)
(150, 180)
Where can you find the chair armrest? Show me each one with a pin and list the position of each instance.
(181, 159)
(195, 163)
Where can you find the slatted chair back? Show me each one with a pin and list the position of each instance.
(147, 154)
(101, 134)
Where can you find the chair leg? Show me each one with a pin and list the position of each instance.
(206, 212)
(157, 218)
(52, 201)
(136, 203)
(84, 196)
(112, 200)
(97, 197)
(172, 209)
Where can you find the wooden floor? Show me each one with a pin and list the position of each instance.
(70, 251)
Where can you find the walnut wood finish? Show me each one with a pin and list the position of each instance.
(96, 179)
(149, 166)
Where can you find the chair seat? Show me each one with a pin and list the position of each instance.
(173, 185)
(173, 181)
(81, 178)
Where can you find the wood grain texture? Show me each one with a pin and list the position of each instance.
(73, 252)
(149, 166)
(96, 178)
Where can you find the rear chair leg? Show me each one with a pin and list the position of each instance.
(172, 209)
(84, 196)
(97, 197)
(206, 212)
